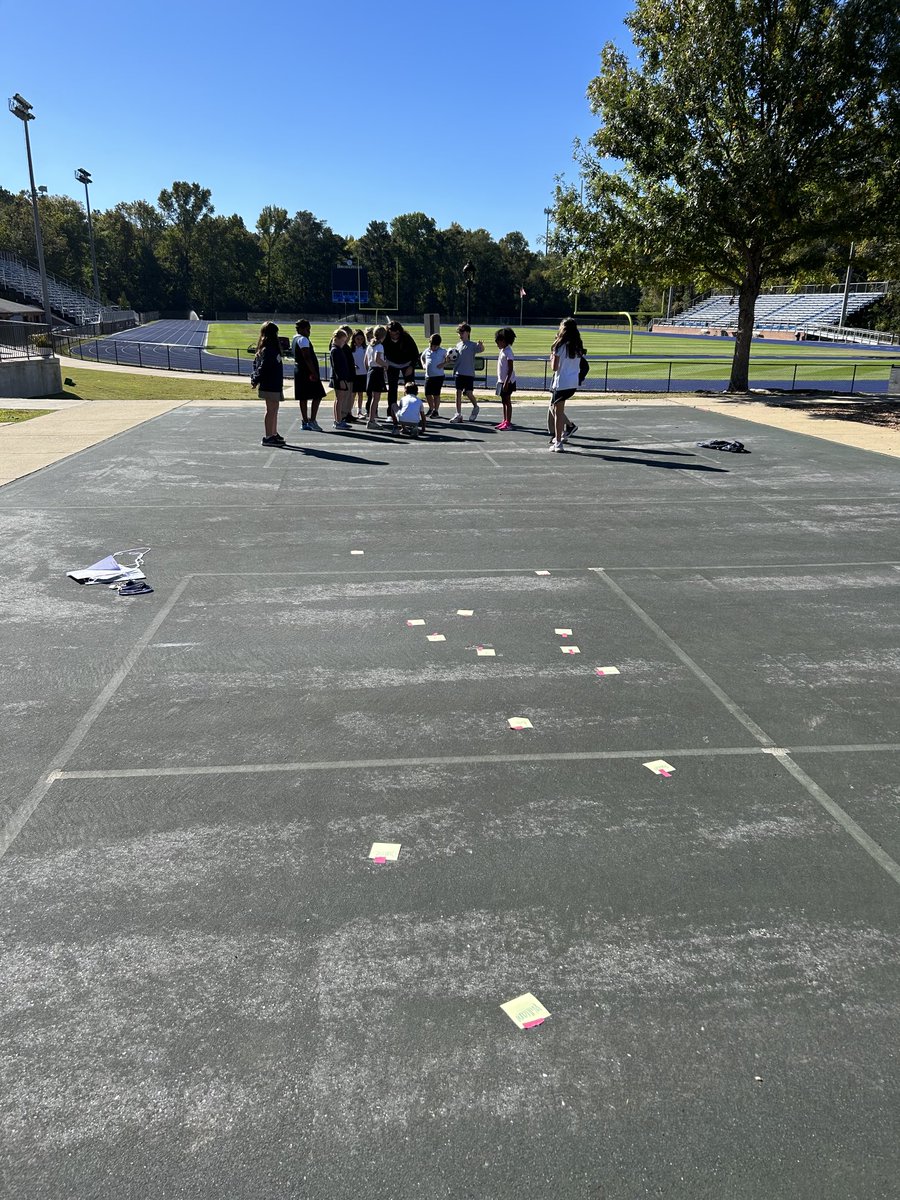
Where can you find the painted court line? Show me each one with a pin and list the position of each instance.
(17, 820)
(735, 709)
(821, 797)
(463, 760)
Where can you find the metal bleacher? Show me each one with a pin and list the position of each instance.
(24, 280)
(779, 310)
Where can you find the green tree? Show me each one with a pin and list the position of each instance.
(312, 248)
(748, 136)
(272, 225)
(376, 252)
(128, 239)
(183, 207)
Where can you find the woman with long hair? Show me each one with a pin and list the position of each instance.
(268, 369)
(566, 354)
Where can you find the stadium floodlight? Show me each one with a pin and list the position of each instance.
(19, 107)
(469, 277)
(84, 177)
(547, 213)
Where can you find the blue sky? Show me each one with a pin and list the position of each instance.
(485, 101)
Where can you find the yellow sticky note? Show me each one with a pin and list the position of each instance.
(607, 671)
(563, 632)
(526, 1011)
(465, 612)
(519, 723)
(570, 650)
(436, 637)
(416, 621)
(485, 652)
(385, 851)
(659, 766)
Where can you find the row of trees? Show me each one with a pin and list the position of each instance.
(179, 253)
(744, 143)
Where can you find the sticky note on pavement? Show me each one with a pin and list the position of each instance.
(385, 851)
(659, 766)
(519, 723)
(527, 1011)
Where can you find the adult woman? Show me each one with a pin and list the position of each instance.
(566, 354)
(270, 373)
(401, 355)
(308, 387)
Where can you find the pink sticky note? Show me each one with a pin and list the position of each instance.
(531, 1024)
(380, 859)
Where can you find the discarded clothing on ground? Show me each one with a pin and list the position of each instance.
(731, 444)
(119, 576)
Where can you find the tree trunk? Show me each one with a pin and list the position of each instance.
(750, 289)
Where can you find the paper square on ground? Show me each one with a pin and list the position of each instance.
(563, 632)
(658, 766)
(436, 637)
(520, 723)
(542, 572)
(485, 652)
(608, 671)
(525, 1010)
(389, 851)
(570, 650)
(357, 551)
(465, 612)
(416, 621)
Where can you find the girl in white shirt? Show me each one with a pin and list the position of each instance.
(506, 375)
(566, 354)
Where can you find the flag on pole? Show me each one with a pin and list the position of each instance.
(522, 293)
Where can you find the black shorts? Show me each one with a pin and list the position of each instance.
(306, 388)
(509, 388)
(562, 395)
(359, 383)
(375, 380)
(465, 383)
(433, 385)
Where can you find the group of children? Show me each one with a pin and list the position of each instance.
(365, 364)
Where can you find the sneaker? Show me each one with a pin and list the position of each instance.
(276, 437)
(456, 420)
(568, 431)
(372, 425)
(340, 425)
(476, 409)
(557, 448)
(316, 426)
(306, 425)
(270, 441)
(503, 425)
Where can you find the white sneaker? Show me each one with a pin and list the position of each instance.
(456, 420)
(557, 447)
(475, 411)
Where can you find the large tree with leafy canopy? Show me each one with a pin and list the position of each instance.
(746, 136)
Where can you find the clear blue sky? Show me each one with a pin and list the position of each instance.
(289, 111)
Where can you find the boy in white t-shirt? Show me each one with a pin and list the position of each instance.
(433, 360)
(411, 415)
(506, 374)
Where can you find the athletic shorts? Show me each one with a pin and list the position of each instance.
(375, 380)
(359, 383)
(433, 385)
(562, 395)
(465, 383)
(276, 396)
(508, 387)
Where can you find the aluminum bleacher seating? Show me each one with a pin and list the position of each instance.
(22, 278)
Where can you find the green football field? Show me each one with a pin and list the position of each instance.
(692, 358)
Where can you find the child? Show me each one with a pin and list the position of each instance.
(506, 375)
(566, 354)
(433, 361)
(375, 373)
(268, 366)
(466, 350)
(358, 348)
(341, 379)
(411, 415)
(307, 384)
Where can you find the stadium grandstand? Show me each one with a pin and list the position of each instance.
(21, 280)
(779, 310)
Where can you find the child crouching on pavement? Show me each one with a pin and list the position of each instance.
(411, 415)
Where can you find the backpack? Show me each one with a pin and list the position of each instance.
(584, 368)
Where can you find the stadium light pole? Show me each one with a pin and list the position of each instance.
(84, 177)
(19, 107)
(547, 213)
(843, 321)
(469, 277)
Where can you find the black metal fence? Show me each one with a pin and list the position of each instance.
(24, 339)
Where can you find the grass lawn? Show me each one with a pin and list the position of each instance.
(8, 416)
(127, 385)
(770, 360)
